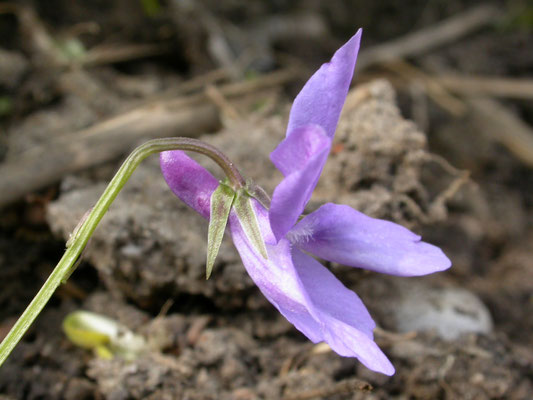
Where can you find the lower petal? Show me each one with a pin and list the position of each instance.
(346, 324)
(341, 234)
(311, 297)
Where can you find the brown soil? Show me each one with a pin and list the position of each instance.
(465, 333)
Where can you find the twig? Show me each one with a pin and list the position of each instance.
(240, 88)
(494, 119)
(488, 86)
(502, 125)
(119, 53)
(435, 90)
(165, 308)
(218, 99)
(196, 328)
(188, 87)
(451, 190)
(384, 336)
(186, 116)
(426, 39)
(43, 165)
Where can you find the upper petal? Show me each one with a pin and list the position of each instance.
(300, 157)
(191, 182)
(310, 297)
(321, 99)
(341, 234)
(294, 152)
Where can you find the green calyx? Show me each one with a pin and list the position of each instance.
(258, 193)
(244, 209)
(222, 201)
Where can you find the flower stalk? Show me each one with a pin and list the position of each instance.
(85, 229)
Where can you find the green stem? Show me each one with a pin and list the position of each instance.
(80, 237)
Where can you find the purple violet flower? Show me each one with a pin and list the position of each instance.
(301, 288)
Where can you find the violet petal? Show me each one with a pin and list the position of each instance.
(310, 297)
(346, 324)
(300, 157)
(191, 182)
(321, 99)
(341, 234)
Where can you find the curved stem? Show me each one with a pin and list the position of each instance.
(81, 236)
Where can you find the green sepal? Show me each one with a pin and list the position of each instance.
(221, 202)
(245, 212)
(258, 193)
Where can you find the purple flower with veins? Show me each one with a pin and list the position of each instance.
(301, 288)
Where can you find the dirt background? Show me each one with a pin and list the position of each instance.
(435, 134)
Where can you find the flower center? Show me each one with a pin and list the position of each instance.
(300, 234)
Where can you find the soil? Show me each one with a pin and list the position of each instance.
(464, 333)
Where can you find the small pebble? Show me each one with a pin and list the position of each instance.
(449, 312)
